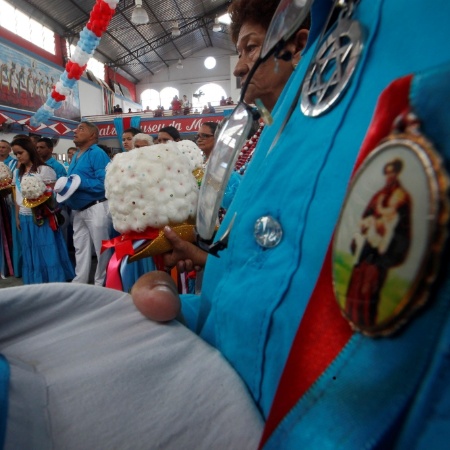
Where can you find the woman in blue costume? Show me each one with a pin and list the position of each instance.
(262, 293)
(377, 393)
(45, 255)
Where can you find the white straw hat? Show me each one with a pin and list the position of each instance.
(65, 187)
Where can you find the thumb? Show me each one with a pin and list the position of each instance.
(172, 237)
(155, 296)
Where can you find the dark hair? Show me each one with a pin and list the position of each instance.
(134, 131)
(106, 149)
(48, 142)
(17, 136)
(396, 164)
(256, 12)
(27, 144)
(212, 126)
(171, 131)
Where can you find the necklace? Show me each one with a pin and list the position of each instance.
(245, 155)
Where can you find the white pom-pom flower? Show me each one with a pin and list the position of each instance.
(32, 186)
(5, 176)
(192, 152)
(150, 187)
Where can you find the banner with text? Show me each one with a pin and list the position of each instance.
(184, 124)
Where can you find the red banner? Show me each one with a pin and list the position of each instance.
(184, 124)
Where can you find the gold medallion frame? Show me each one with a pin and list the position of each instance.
(437, 218)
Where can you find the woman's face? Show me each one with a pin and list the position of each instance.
(164, 137)
(127, 140)
(268, 81)
(23, 157)
(205, 139)
(4, 150)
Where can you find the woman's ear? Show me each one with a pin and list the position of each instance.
(299, 41)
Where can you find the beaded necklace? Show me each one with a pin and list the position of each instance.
(246, 153)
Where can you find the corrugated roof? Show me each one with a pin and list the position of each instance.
(138, 51)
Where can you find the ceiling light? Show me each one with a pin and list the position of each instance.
(225, 19)
(139, 15)
(175, 31)
(210, 62)
(179, 64)
(217, 27)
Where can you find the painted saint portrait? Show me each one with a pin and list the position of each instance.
(383, 235)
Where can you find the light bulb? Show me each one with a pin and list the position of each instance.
(175, 31)
(139, 15)
(217, 27)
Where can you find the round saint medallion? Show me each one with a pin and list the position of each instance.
(331, 69)
(390, 233)
(268, 232)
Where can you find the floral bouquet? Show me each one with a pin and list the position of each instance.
(6, 178)
(195, 156)
(39, 197)
(147, 189)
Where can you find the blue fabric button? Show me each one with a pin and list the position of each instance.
(268, 232)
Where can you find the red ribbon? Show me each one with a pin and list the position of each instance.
(123, 244)
(51, 216)
(113, 278)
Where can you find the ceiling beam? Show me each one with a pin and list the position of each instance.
(122, 6)
(203, 21)
(205, 27)
(136, 80)
(156, 43)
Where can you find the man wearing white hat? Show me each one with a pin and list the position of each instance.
(91, 219)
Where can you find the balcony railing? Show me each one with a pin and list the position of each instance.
(166, 114)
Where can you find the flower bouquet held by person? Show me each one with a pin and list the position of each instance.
(5, 180)
(148, 189)
(39, 197)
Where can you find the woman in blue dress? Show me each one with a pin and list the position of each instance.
(45, 255)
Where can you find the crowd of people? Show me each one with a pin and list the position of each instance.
(180, 106)
(35, 231)
(333, 347)
(72, 210)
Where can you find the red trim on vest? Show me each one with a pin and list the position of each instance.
(323, 332)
